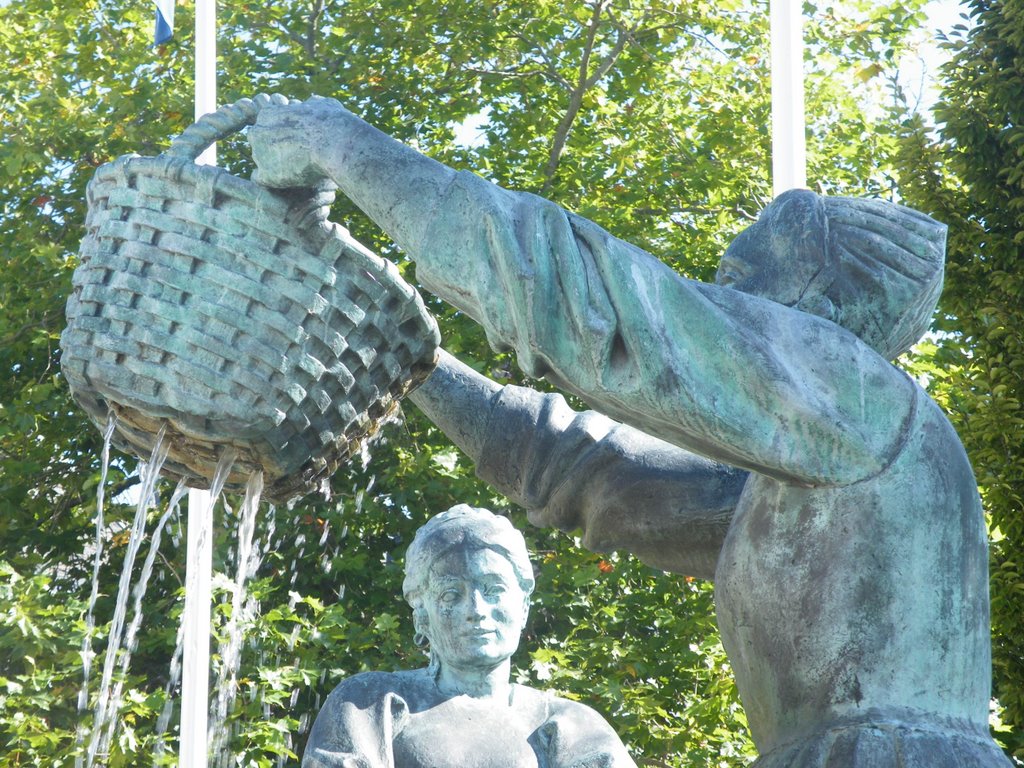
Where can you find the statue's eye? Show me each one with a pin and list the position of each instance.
(449, 596)
(496, 590)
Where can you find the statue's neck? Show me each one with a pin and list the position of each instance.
(486, 683)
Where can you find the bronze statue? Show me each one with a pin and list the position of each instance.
(468, 579)
(771, 444)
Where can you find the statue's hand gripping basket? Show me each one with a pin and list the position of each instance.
(236, 318)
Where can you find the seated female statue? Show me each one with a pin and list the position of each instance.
(468, 579)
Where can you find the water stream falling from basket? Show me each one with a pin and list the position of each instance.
(105, 712)
(138, 594)
(173, 681)
(247, 562)
(123, 639)
(94, 592)
(90, 622)
(247, 558)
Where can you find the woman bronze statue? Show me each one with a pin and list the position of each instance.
(468, 579)
(771, 444)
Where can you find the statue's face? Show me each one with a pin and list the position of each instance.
(750, 266)
(754, 265)
(476, 609)
(780, 256)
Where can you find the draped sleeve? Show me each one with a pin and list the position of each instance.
(623, 488)
(739, 379)
(575, 736)
(357, 725)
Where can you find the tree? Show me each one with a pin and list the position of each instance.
(649, 119)
(971, 176)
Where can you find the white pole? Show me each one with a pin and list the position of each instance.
(206, 67)
(195, 680)
(195, 685)
(789, 146)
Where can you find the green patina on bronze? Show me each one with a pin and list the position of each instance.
(765, 438)
(468, 580)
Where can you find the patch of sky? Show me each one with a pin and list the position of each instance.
(920, 68)
(471, 132)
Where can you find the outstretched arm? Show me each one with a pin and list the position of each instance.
(582, 471)
(624, 489)
(742, 380)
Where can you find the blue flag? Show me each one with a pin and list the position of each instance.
(164, 21)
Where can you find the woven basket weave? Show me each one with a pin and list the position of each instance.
(236, 317)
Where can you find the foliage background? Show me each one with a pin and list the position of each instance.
(651, 119)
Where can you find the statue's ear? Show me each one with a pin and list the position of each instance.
(421, 627)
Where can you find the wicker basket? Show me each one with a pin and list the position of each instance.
(237, 317)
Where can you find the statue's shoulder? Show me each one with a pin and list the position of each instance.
(552, 708)
(365, 688)
(577, 712)
(571, 729)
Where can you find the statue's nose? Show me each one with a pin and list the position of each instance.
(477, 606)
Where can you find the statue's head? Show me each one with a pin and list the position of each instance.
(468, 579)
(871, 266)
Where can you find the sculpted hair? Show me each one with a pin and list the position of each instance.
(875, 267)
(887, 263)
(462, 525)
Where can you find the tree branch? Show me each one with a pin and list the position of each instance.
(297, 39)
(64, 506)
(42, 322)
(586, 81)
(611, 57)
(551, 68)
(314, 28)
(511, 73)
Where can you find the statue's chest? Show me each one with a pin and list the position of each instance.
(463, 733)
(783, 548)
(778, 527)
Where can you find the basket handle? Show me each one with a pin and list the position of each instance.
(221, 124)
(310, 205)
